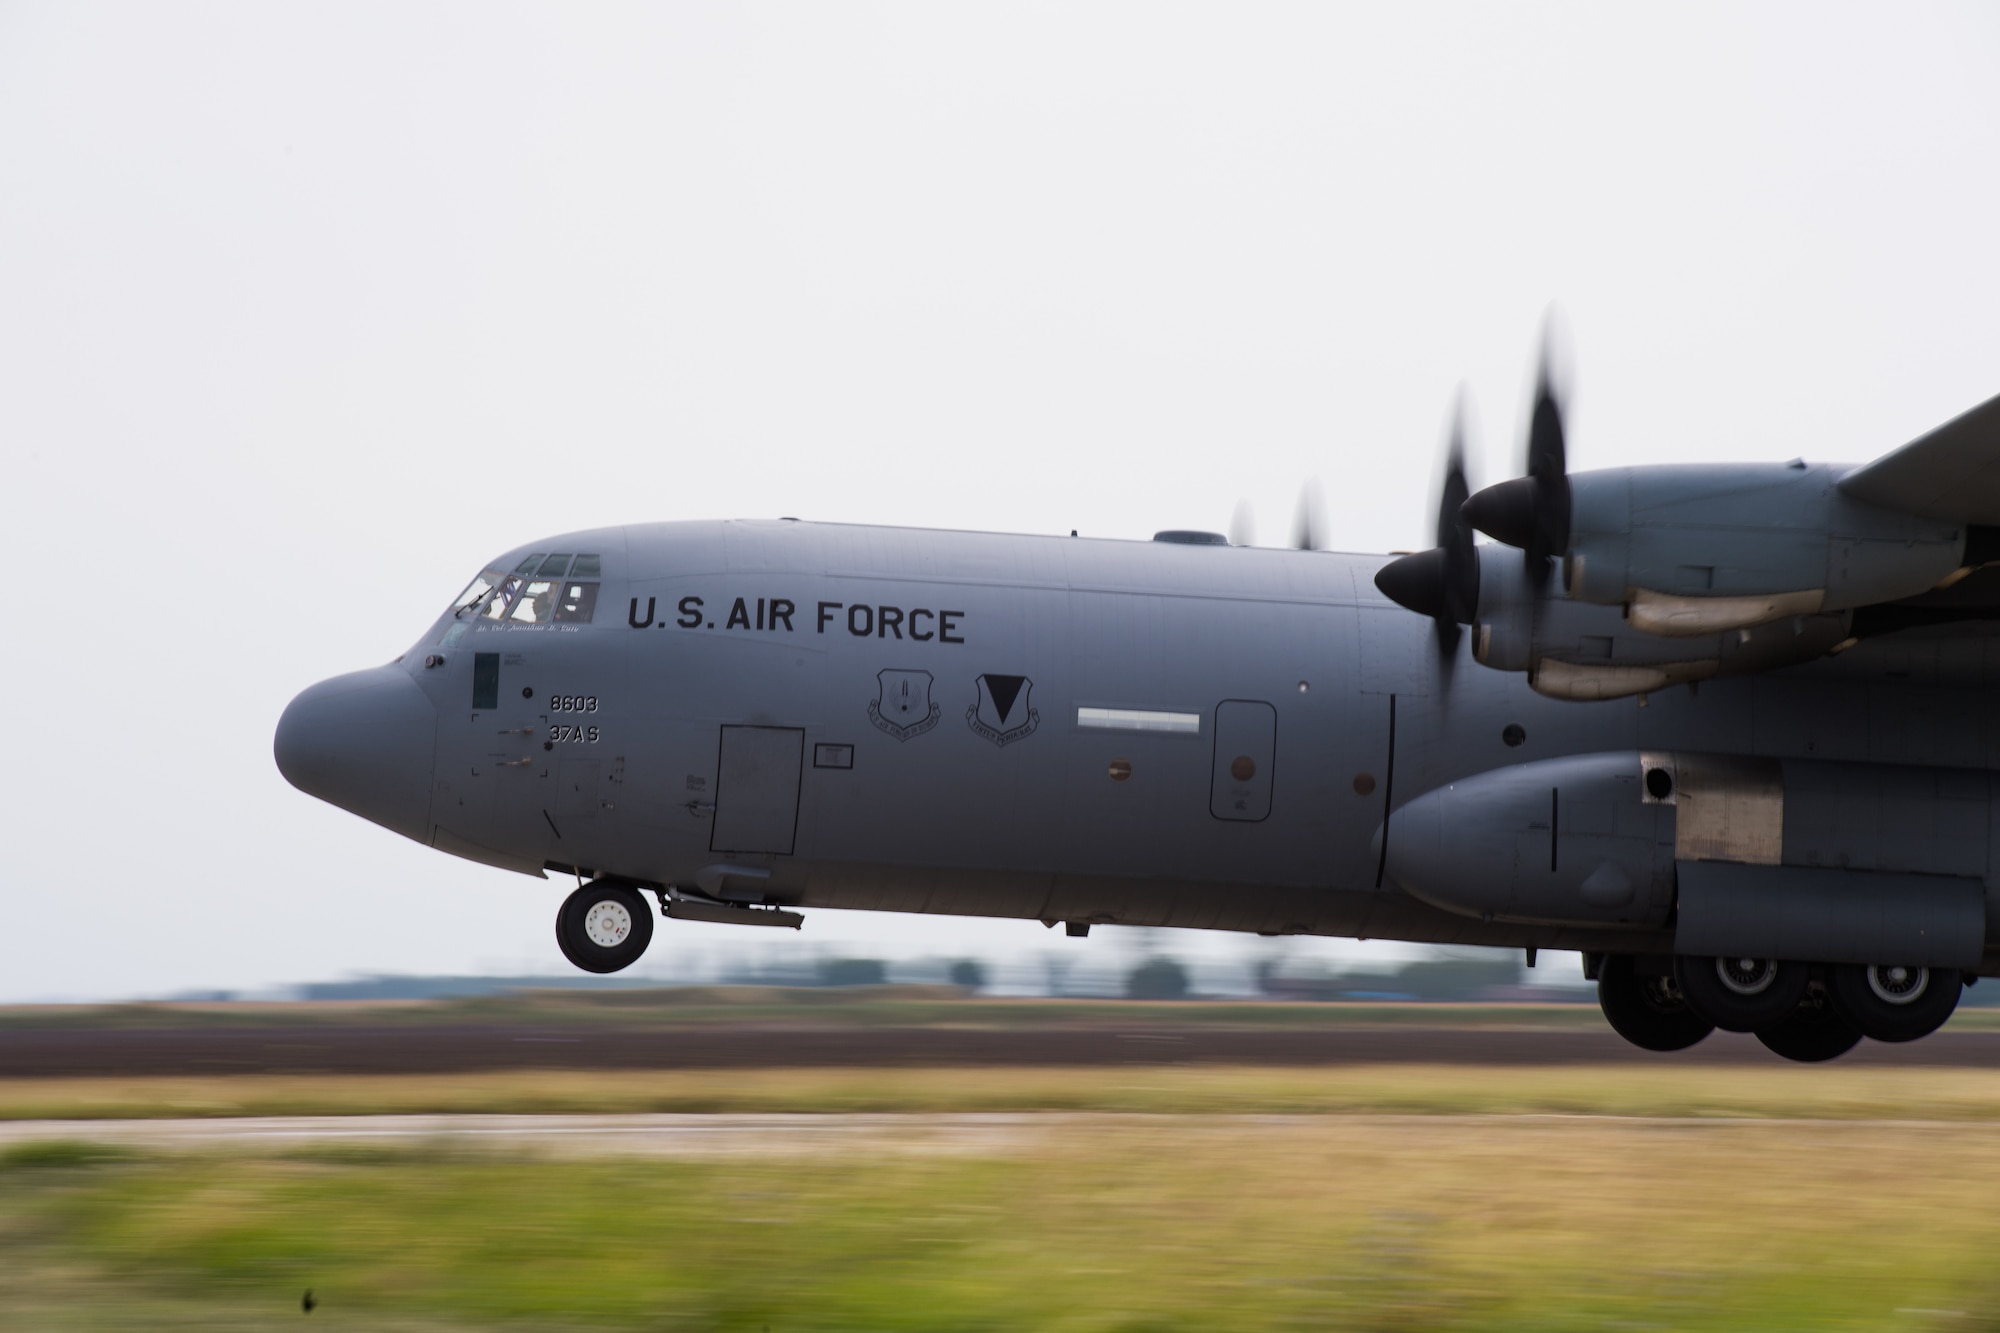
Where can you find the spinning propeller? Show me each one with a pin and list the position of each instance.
(1309, 525)
(1531, 512)
(1443, 582)
(1309, 520)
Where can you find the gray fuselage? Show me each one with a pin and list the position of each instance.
(1049, 728)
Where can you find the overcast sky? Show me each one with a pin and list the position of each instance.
(306, 311)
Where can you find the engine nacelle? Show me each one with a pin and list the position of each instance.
(1697, 550)
(1574, 649)
(1569, 841)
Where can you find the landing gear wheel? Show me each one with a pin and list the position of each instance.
(1647, 1011)
(604, 927)
(1892, 1003)
(1813, 1032)
(1741, 994)
(562, 940)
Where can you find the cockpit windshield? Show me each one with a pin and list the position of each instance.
(558, 588)
(482, 583)
(496, 604)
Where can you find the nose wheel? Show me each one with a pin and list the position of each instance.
(604, 927)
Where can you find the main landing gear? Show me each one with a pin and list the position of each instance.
(1645, 1006)
(1814, 1031)
(1802, 1011)
(604, 926)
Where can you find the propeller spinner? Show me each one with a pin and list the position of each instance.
(1443, 582)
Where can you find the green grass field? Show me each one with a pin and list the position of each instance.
(1825, 1092)
(1170, 1223)
(1397, 1199)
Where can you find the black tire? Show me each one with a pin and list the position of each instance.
(1816, 1030)
(562, 936)
(1741, 994)
(1892, 1003)
(1647, 1011)
(604, 927)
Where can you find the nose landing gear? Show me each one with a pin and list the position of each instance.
(604, 927)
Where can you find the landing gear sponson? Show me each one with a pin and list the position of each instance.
(1802, 1011)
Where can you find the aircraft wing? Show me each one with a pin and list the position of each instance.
(1951, 473)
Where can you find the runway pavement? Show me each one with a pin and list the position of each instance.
(578, 1135)
(27, 1052)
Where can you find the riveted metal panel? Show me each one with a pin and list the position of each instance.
(1731, 808)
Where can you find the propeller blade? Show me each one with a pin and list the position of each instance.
(1532, 512)
(1309, 522)
(1243, 525)
(1548, 468)
(1454, 535)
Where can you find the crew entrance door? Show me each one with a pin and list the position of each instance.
(757, 789)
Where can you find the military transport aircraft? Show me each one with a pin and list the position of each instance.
(1729, 731)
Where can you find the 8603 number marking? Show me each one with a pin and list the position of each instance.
(573, 703)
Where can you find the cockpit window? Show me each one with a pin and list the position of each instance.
(578, 601)
(537, 603)
(535, 593)
(502, 597)
(481, 584)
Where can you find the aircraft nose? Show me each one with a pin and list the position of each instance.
(365, 742)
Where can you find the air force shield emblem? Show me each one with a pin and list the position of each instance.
(1002, 714)
(902, 705)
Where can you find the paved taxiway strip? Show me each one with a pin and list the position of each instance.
(782, 1135)
(576, 1135)
(88, 1052)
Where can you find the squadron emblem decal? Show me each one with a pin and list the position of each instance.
(1003, 700)
(902, 706)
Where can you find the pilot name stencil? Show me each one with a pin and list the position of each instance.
(1003, 700)
(902, 706)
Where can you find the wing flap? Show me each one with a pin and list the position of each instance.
(1951, 473)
